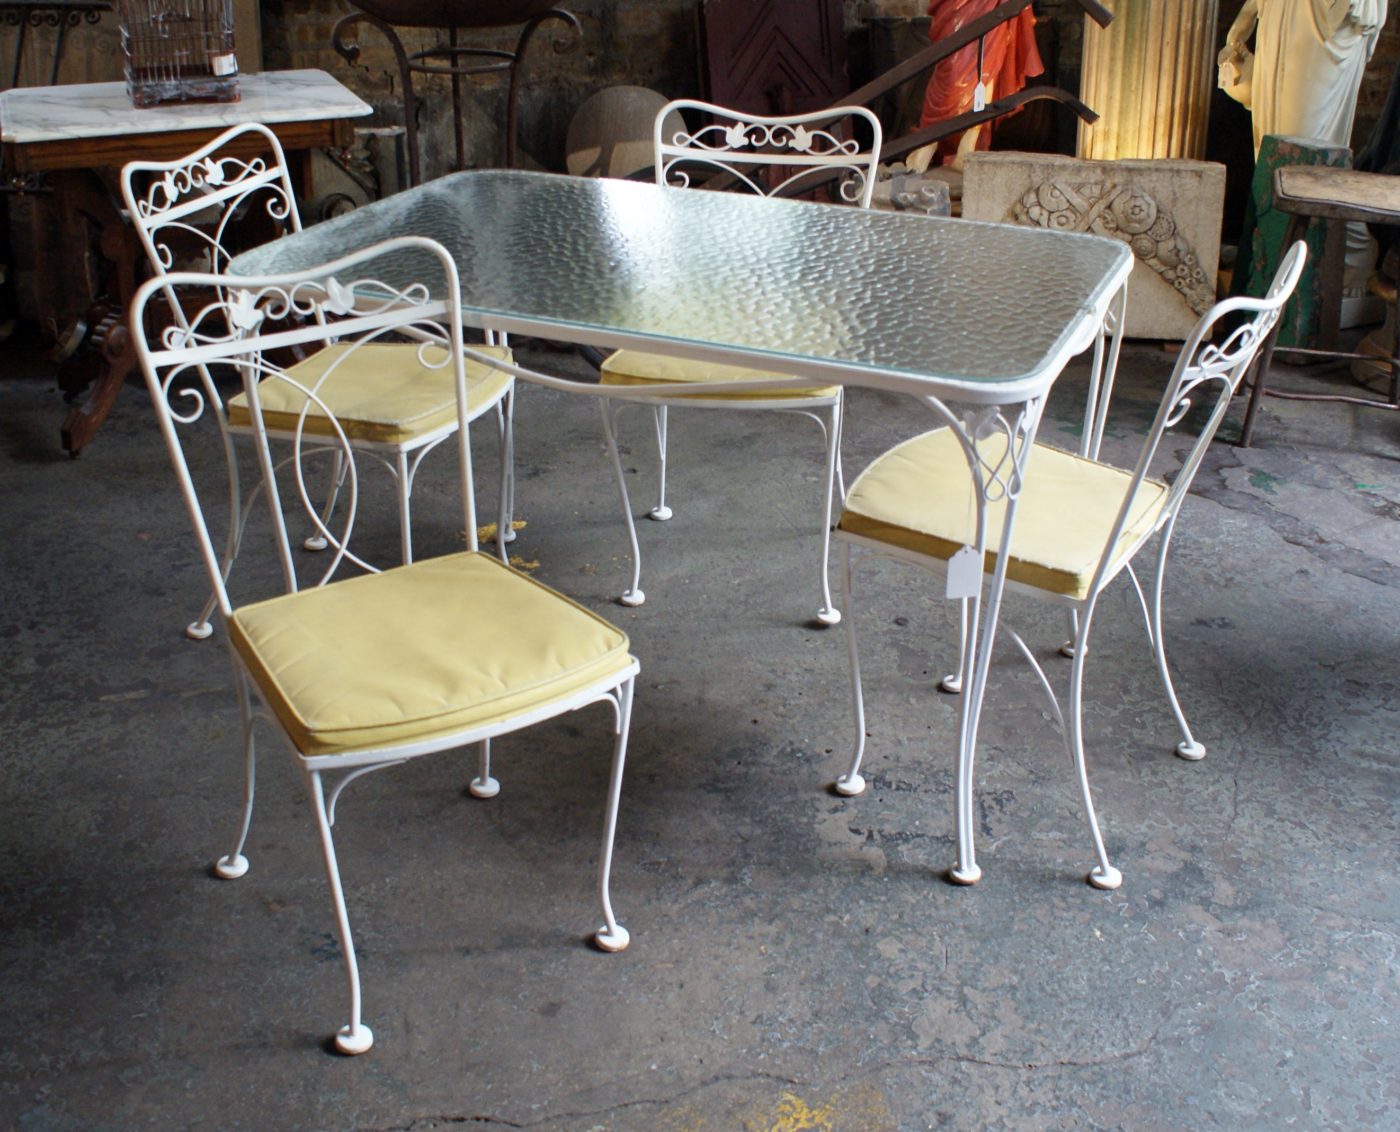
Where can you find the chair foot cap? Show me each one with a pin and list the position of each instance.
(354, 1041)
(199, 630)
(1067, 649)
(849, 785)
(611, 939)
(231, 867)
(1106, 878)
(950, 684)
(633, 598)
(508, 537)
(487, 787)
(1192, 751)
(660, 514)
(828, 616)
(315, 542)
(970, 875)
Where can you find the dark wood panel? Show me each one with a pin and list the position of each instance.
(114, 152)
(774, 56)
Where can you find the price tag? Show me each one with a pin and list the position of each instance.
(964, 574)
(979, 97)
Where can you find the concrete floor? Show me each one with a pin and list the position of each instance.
(798, 961)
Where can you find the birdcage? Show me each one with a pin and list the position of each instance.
(179, 51)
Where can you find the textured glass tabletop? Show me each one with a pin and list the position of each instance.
(801, 288)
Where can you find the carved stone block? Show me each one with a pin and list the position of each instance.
(1167, 211)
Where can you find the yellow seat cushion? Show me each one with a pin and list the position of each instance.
(919, 496)
(419, 652)
(633, 367)
(378, 391)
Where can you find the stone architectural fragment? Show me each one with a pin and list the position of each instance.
(1168, 212)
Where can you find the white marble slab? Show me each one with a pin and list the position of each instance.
(94, 110)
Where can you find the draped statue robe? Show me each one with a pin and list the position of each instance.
(1009, 54)
(1309, 59)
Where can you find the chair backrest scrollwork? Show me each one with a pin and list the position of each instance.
(772, 156)
(1206, 376)
(250, 326)
(189, 212)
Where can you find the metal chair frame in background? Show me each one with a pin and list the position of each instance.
(1205, 375)
(477, 650)
(769, 156)
(190, 207)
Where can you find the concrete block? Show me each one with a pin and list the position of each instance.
(1167, 211)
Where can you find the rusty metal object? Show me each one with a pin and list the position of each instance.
(57, 14)
(452, 58)
(454, 13)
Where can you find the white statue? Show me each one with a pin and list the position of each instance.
(1307, 64)
(1302, 81)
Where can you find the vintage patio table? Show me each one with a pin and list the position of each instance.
(78, 132)
(983, 316)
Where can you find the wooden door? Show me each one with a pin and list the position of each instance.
(774, 56)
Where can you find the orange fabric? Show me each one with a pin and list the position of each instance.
(1009, 54)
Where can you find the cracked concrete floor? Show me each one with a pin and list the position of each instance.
(798, 961)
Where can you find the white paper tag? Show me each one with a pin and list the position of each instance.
(964, 574)
(979, 97)
(223, 65)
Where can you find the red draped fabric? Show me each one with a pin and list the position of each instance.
(1009, 54)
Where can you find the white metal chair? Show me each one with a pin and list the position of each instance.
(187, 213)
(771, 156)
(371, 671)
(1079, 524)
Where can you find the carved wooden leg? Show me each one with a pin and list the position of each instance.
(112, 340)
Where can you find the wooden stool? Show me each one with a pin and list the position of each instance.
(1340, 195)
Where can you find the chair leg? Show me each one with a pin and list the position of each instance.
(828, 614)
(483, 785)
(953, 682)
(851, 783)
(234, 864)
(505, 423)
(1103, 875)
(354, 1037)
(404, 474)
(201, 628)
(612, 936)
(660, 512)
(1067, 649)
(1188, 748)
(633, 595)
(337, 479)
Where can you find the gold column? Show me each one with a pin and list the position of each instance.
(1149, 76)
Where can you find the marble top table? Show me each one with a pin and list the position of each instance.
(983, 316)
(94, 125)
(79, 134)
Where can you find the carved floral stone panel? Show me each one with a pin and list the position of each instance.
(1167, 211)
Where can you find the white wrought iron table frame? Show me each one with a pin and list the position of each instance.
(974, 320)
